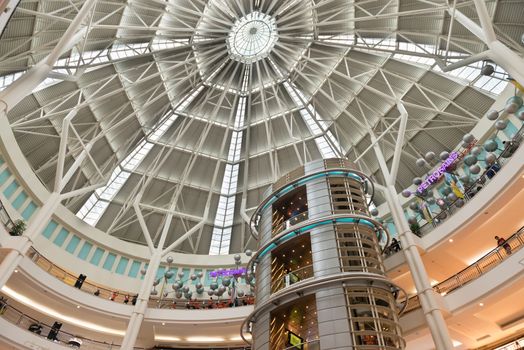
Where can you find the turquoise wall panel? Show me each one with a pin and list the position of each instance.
(61, 237)
(186, 274)
(133, 270)
(29, 210)
(160, 272)
(51, 227)
(13, 186)
(110, 261)
(4, 175)
(1, 161)
(73, 243)
(122, 264)
(97, 256)
(19, 200)
(84, 251)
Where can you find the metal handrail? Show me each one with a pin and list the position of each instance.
(89, 287)
(22, 320)
(480, 267)
(290, 222)
(304, 273)
(5, 218)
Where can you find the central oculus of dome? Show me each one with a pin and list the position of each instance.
(252, 37)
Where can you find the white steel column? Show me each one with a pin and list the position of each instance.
(8, 99)
(23, 86)
(426, 294)
(502, 55)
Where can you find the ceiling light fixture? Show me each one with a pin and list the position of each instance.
(166, 338)
(198, 339)
(55, 314)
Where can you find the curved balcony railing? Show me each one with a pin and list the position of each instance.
(5, 218)
(293, 277)
(485, 264)
(303, 216)
(18, 318)
(120, 296)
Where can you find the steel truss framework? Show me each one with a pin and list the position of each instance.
(146, 101)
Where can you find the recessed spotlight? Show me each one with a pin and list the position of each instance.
(16, 271)
(163, 323)
(451, 240)
(481, 304)
(78, 306)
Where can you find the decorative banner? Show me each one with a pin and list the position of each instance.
(231, 272)
(437, 174)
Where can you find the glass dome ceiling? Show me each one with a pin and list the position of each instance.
(193, 108)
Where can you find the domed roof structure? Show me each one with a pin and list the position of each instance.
(194, 107)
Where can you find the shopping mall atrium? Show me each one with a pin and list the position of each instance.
(262, 174)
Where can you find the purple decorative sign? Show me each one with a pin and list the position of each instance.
(232, 272)
(437, 174)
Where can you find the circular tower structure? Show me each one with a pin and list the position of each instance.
(320, 279)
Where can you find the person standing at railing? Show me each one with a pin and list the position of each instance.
(113, 296)
(502, 242)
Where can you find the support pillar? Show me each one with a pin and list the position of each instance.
(133, 327)
(427, 297)
(23, 243)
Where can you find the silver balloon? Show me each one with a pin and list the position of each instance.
(169, 274)
(226, 282)
(237, 257)
(178, 295)
(465, 179)
(421, 162)
(210, 292)
(185, 289)
(441, 203)
(513, 104)
(200, 290)
(200, 274)
(156, 282)
(143, 272)
(249, 252)
(501, 124)
(181, 274)
(459, 203)
(221, 289)
(468, 138)
(474, 169)
(492, 115)
(240, 293)
(193, 277)
(238, 262)
(490, 145)
(414, 206)
(430, 156)
(520, 113)
(476, 150)
(169, 259)
(252, 283)
(188, 295)
(412, 220)
(444, 155)
(165, 294)
(406, 193)
(470, 159)
(491, 158)
(198, 285)
(487, 70)
(432, 200)
(417, 181)
(451, 197)
(374, 212)
(213, 285)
